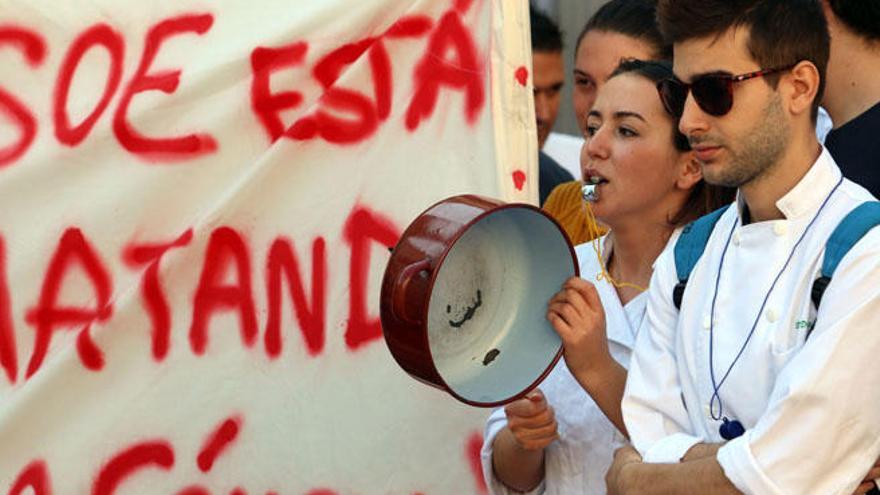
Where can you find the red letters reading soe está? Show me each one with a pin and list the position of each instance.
(342, 115)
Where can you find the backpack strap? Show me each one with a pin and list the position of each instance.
(690, 247)
(849, 231)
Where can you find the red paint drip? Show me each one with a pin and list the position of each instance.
(36, 477)
(217, 442)
(321, 491)
(519, 179)
(472, 451)
(522, 75)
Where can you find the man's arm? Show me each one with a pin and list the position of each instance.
(702, 450)
(652, 407)
(628, 475)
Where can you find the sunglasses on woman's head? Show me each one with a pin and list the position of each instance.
(712, 92)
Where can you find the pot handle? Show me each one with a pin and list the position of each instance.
(399, 292)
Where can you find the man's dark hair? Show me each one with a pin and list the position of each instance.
(861, 16)
(546, 36)
(704, 198)
(781, 33)
(633, 18)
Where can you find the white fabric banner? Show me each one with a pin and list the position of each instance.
(196, 204)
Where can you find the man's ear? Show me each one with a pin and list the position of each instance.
(689, 171)
(801, 85)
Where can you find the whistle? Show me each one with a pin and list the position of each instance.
(589, 191)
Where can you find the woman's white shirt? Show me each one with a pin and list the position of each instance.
(577, 462)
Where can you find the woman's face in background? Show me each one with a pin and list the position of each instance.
(597, 55)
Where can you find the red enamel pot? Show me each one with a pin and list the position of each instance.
(464, 298)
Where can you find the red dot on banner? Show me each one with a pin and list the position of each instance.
(522, 75)
(519, 178)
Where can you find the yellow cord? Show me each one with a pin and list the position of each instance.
(593, 227)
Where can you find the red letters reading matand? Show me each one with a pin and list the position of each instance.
(34, 48)
(225, 284)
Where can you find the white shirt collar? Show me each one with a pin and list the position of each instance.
(808, 194)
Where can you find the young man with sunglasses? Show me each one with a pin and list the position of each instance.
(852, 96)
(742, 383)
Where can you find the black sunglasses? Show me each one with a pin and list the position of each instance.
(712, 92)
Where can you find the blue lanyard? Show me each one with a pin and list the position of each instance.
(732, 428)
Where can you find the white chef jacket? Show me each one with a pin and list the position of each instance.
(577, 462)
(810, 406)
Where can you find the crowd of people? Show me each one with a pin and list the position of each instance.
(723, 332)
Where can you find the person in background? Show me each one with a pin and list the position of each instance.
(746, 384)
(620, 29)
(548, 77)
(852, 91)
(559, 439)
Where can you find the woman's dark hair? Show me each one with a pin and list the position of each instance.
(862, 16)
(704, 198)
(633, 18)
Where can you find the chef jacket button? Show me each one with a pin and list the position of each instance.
(736, 238)
(707, 322)
(779, 228)
(708, 411)
(771, 315)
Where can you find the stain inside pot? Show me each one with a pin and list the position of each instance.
(469, 312)
(490, 356)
